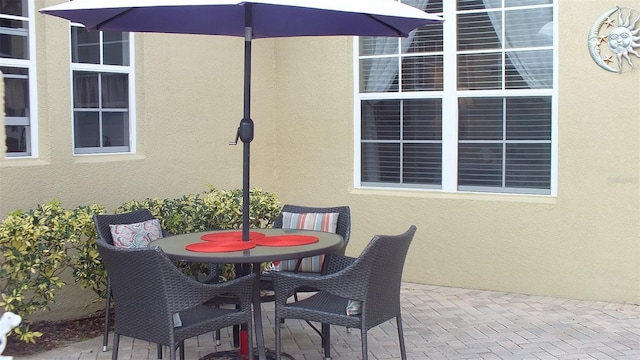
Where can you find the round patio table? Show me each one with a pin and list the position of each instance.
(175, 248)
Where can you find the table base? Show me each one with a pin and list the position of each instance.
(235, 355)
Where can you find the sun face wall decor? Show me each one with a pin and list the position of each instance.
(618, 28)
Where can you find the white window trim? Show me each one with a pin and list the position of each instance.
(132, 97)
(450, 111)
(30, 65)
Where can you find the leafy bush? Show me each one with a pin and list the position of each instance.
(36, 246)
(214, 209)
(85, 260)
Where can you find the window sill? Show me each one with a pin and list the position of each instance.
(22, 162)
(439, 194)
(102, 158)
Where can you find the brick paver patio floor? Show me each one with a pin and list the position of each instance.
(439, 323)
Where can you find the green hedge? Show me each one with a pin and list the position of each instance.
(37, 245)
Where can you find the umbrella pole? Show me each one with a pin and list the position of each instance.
(245, 131)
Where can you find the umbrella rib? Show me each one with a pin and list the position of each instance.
(400, 33)
(98, 26)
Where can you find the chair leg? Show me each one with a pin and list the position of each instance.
(217, 331)
(326, 340)
(403, 350)
(105, 336)
(236, 336)
(159, 352)
(116, 342)
(278, 340)
(365, 352)
(250, 340)
(176, 347)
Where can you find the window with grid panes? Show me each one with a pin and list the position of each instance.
(467, 105)
(101, 79)
(17, 65)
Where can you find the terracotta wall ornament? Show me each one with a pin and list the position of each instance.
(614, 38)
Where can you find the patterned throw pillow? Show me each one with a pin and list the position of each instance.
(308, 221)
(137, 234)
(354, 307)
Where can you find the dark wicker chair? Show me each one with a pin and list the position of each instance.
(344, 219)
(102, 223)
(149, 289)
(343, 229)
(373, 278)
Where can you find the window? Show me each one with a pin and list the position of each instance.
(102, 96)
(463, 106)
(18, 72)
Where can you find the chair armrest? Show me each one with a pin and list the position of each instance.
(346, 283)
(187, 293)
(333, 262)
(336, 262)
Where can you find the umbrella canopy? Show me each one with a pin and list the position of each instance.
(270, 18)
(251, 19)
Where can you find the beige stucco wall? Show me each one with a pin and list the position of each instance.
(189, 103)
(582, 244)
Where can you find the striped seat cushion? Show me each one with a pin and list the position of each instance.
(308, 221)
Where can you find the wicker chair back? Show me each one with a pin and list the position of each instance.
(371, 280)
(150, 290)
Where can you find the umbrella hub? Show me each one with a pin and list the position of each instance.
(244, 133)
(245, 130)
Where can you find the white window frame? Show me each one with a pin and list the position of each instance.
(449, 96)
(30, 66)
(101, 68)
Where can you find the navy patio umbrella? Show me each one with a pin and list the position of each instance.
(251, 19)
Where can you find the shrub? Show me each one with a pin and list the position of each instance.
(37, 245)
(85, 261)
(214, 209)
